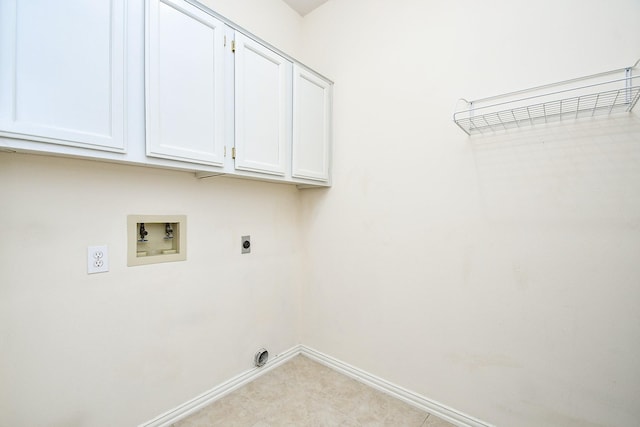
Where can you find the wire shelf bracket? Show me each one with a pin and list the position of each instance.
(599, 97)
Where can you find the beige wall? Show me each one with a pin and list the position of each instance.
(496, 275)
(121, 347)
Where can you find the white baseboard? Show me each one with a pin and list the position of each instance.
(431, 406)
(208, 397)
(414, 399)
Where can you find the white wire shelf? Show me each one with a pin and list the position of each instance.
(602, 98)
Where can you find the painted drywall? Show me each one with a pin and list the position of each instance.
(120, 348)
(499, 274)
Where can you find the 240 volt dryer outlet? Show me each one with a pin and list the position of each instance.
(246, 244)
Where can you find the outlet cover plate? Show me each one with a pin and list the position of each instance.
(246, 244)
(97, 259)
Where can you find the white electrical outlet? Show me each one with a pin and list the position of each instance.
(97, 259)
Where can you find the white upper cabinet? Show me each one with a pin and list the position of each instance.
(184, 83)
(262, 108)
(311, 125)
(62, 71)
(163, 83)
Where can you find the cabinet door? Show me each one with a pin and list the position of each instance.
(262, 108)
(62, 72)
(184, 83)
(311, 125)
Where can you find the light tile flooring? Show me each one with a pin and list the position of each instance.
(304, 393)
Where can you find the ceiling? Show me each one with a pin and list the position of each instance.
(304, 6)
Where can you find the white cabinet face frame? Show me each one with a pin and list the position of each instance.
(311, 125)
(62, 72)
(262, 108)
(184, 84)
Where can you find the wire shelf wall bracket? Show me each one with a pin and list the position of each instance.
(582, 97)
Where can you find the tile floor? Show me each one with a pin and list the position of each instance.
(304, 393)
